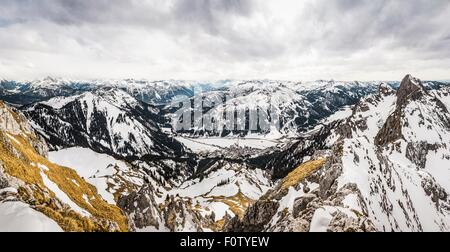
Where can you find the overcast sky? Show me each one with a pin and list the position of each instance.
(228, 39)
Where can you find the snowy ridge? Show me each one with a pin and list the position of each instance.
(408, 202)
(112, 178)
(386, 170)
(19, 217)
(154, 92)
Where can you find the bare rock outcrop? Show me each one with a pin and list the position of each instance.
(255, 218)
(141, 208)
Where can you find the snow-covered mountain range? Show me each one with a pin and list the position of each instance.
(154, 92)
(349, 156)
(298, 105)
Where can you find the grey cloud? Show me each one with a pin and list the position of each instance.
(208, 15)
(188, 18)
(72, 12)
(349, 25)
(237, 31)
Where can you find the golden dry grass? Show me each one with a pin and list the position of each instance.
(238, 203)
(301, 172)
(19, 166)
(217, 226)
(120, 186)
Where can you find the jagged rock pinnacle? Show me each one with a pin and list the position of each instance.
(408, 87)
(392, 129)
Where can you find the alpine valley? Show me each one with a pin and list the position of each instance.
(103, 155)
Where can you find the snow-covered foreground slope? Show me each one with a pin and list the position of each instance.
(17, 216)
(387, 169)
(110, 176)
(223, 191)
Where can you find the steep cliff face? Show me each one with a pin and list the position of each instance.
(30, 183)
(386, 171)
(404, 186)
(416, 109)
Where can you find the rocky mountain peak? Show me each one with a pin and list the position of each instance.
(384, 89)
(115, 96)
(408, 88)
(12, 122)
(417, 110)
(50, 79)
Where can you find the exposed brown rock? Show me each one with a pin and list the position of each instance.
(409, 87)
(391, 130)
(256, 217)
(141, 208)
(300, 204)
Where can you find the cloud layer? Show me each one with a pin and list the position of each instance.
(214, 39)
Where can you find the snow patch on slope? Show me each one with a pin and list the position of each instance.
(96, 168)
(20, 217)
